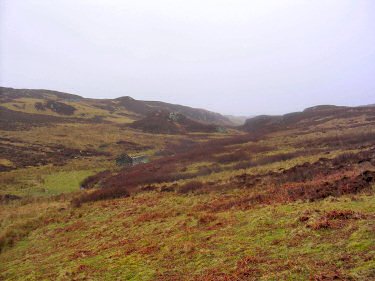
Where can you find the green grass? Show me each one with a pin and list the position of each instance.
(50, 180)
(64, 182)
(114, 240)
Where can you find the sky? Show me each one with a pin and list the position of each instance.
(239, 57)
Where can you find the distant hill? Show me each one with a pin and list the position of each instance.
(238, 120)
(167, 122)
(9, 94)
(312, 116)
(56, 103)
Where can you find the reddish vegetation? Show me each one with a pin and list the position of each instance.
(190, 186)
(342, 215)
(91, 181)
(166, 168)
(315, 181)
(23, 154)
(206, 219)
(101, 194)
(149, 217)
(319, 190)
(332, 220)
(304, 182)
(248, 268)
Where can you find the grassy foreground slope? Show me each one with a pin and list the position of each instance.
(164, 236)
(292, 203)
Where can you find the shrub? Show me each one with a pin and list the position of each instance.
(101, 194)
(190, 186)
(342, 215)
(344, 158)
(206, 219)
(320, 224)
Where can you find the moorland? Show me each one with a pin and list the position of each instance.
(286, 197)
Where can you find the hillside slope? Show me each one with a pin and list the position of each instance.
(63, 104)
(317, 116)
(295, 202)
(166, 122)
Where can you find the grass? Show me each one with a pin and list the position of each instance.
(103, 239)
(50, 180)
(6, 162)
(64, 182)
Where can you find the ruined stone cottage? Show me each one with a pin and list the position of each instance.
(129, 161)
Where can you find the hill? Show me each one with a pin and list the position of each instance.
(313, 117)
(123, 109)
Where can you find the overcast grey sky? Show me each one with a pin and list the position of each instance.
(242, 57)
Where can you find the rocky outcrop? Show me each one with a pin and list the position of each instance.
(55, 106)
